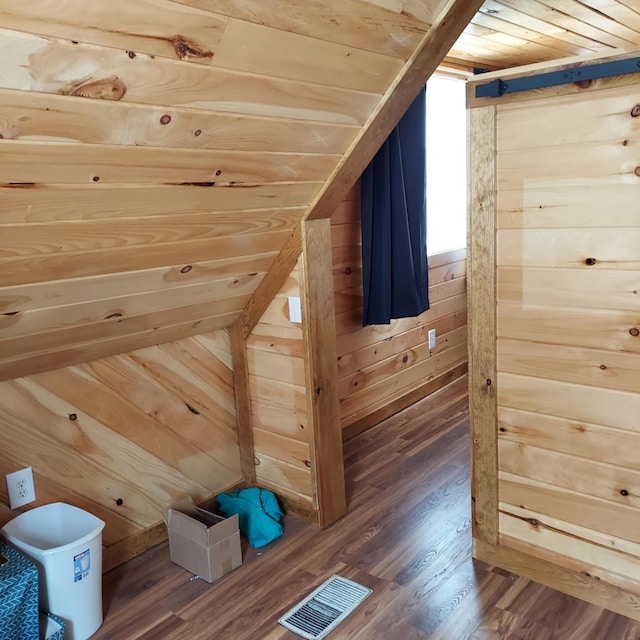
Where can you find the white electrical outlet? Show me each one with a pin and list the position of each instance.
(20, 488)
(432, 338)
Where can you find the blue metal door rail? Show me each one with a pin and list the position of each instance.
(497, 88)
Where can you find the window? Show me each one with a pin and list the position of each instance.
(446, 164)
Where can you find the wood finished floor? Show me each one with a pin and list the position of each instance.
(407, 536)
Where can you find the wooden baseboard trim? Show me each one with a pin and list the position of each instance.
(403, 402)
(300, 509)
(128, 548)
(579, 584)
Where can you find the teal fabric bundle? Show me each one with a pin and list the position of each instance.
(258, 512)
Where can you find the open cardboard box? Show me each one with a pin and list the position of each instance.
(204, 543)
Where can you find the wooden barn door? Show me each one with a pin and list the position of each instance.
(554, 307)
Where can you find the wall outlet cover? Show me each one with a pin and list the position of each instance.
(20, 488)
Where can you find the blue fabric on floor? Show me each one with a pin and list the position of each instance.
(258, 512)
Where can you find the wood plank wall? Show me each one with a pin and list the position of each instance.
(279, 410)
(568, 260)
(568, 320)
(127, 436)
(382, 369)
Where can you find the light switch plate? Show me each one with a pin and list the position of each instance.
(295, 309)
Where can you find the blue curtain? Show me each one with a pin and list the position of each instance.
(393, 210)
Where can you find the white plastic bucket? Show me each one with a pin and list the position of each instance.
(65, 543)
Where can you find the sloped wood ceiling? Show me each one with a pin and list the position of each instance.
(157, 156)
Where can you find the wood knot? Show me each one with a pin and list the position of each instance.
(590, 262)
(108, 89)
(117, 314)
(307, 463)
(348, 271)
(73, 416)
(186, 268)
(635, 112)
(502, 429)
(603, 367)
(219, 172)
(256, 461)
(131, 54)
(634, 332)
(197, 132)
(119, 502)
(624, 492)
(637, 171)
(185, 48)
(583, 84)
(405, 359)
(165, 119)
(489, 382)
(96, 178)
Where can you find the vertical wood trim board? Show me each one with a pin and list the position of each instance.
(243, 405)
(322, 372)
(482, 313)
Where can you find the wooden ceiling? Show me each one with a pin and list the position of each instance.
(509, 33)
(157, 157)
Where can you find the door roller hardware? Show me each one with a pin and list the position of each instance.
(497, 88)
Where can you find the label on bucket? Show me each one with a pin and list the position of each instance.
(81, 565)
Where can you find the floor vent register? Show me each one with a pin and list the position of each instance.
(323, 610)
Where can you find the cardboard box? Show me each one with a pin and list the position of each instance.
(204, 543)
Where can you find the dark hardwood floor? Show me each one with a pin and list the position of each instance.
(407, 536)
